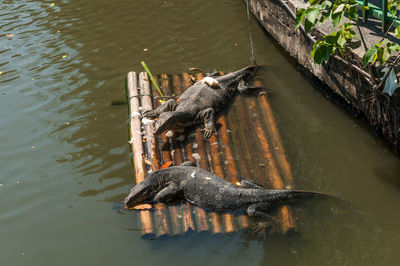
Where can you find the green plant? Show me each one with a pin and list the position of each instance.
(153, 80)
(339, 40)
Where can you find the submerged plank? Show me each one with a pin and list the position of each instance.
(287, 222)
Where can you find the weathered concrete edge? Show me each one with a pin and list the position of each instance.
(343, 78)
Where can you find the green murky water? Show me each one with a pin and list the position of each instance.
(64, 155)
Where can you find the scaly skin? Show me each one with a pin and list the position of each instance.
(211, 192)
(200, 103)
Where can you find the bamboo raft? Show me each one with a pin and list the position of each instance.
(247, 144)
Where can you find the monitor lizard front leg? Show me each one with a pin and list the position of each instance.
(207, 117)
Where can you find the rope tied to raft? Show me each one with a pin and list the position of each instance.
(155, 97)
(139, 95)
(253, 56)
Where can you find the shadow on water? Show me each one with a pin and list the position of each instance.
(325, 229)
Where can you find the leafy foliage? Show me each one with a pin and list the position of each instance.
(392, 6)
(337, 40)
(320, 10)
(380, 52)
(397, 32)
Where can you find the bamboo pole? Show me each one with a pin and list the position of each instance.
(287, 221)
(231, 165)
(160, 214)
(200, 214)
(203, 163)
(178, 156)
(187, 219)
(233, 174)
(215, 164)
(177, 145)
(150, 141)
(230, 162)
(136, 145)
(218, 170)
(242, 133)
(279, 150)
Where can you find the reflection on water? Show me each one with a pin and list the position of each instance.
(64, 156)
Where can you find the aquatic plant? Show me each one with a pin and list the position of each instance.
(153, 80)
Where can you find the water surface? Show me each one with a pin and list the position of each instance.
(64, 155)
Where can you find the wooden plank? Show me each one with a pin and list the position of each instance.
(136, 144)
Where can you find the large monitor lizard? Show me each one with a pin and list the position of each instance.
(201, 102)
(211, 192)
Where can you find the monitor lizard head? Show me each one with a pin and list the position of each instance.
(167, 121)
(143, 192)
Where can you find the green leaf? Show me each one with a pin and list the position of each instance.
(312, 15)
(321, 52)
(341, 41)
(325, 15)
(152, 79)
(393, 47)
(382, 55)
(332, 38)
(379, 55)
(370, 55)
(397, 32)
(386, 55)
(308, 26)
(392, 7)
(313, 2)
(382, 42)
(347, 26)
(352, 12)
(339, 8)
(300, 13)
(326, 4)
(336, 18)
